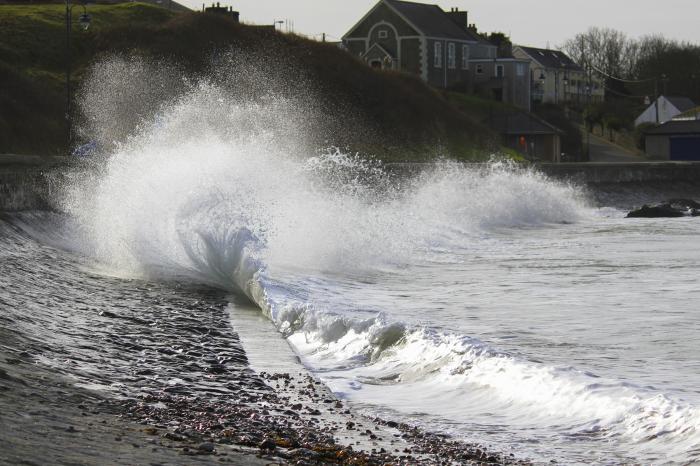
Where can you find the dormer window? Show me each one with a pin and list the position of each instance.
(383, 34)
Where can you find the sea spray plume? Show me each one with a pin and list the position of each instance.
(123, 92)
(323, 211)
(222, 189)
(502, 193)
(321, 118)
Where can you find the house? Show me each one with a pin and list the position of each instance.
(222, 10)
(524, 132)
(436, 45)
(663, 109)
(557, 79)
(502, 79)
(674, 140)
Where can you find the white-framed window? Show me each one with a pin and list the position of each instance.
(383, 33)
(520, 69)
(438, 55)
(479, 69)
(500, 71)
(465, 57)
(451, 56)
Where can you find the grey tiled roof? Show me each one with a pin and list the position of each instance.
(552, 58)
(432, 20)
(681, 103)
(676, 127)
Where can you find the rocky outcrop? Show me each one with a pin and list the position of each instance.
(671, 208)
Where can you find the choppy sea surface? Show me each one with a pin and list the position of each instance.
(489, 303)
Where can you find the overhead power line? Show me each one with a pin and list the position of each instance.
(617, 78)
(621, 94)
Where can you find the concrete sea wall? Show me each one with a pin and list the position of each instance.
(595, 173)
(29, 182)
(32, 182)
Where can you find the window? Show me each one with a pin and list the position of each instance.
(383, 34)
(479, 69)
(438, 55)
(451, 56)
(520, 69)
(500, 71)
(465, 57)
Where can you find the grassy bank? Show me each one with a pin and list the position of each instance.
(403, 119)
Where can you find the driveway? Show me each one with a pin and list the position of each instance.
(604, 151)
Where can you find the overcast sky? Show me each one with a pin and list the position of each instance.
(529, 22)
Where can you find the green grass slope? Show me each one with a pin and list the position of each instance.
(408, 120)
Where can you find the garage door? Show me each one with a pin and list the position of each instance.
(685, 148)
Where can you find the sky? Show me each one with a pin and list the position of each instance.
(529, 22)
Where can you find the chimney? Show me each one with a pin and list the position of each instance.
(460, 18)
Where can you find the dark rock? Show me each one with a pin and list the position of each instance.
(206, 447)
(175, 437)
(670, 209)
(267, 444)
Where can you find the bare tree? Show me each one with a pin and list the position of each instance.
(606, 50)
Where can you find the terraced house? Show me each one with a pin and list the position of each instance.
(441, 47)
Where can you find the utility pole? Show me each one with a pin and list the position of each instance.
(656, 101)
(589, 90)
(85, 23)
(69, 21)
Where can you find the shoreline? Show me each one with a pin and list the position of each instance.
(153, 373)
(285, 418)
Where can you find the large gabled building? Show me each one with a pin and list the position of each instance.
(439, 46)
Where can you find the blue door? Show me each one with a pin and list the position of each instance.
(684, 148)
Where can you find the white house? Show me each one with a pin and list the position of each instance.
(556, 78)
(664, 109)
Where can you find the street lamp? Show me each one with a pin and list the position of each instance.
(84, 21)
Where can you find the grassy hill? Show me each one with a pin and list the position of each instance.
(402, 118)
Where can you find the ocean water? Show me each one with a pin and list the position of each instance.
(489, 303)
